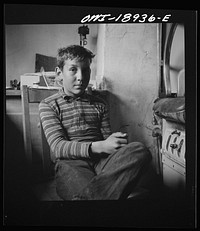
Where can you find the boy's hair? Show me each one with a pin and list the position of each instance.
(73, 52)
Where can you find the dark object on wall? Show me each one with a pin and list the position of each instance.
(48, 63)
(83, 31)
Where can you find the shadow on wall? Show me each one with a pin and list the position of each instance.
(150, 178)
(118, 120)
(19, 202)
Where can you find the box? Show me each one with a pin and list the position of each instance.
(29, 79)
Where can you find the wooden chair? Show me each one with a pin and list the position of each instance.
(42, 176)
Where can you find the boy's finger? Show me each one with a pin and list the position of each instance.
(119, 134)
(122, 141)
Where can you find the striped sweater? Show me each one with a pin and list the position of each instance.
(71, 125)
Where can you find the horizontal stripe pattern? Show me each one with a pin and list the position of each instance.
(71, 126)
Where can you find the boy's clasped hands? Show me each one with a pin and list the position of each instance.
(111, 144)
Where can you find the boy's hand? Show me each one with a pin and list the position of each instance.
(111, 144)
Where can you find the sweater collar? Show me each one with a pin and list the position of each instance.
(83, 97)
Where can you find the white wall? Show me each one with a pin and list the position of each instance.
(24, 41)
(130, 68)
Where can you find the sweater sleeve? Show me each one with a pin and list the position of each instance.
(61, 147)
(105, 122)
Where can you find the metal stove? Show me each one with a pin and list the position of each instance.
(169, 121)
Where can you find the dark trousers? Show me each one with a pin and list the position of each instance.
(111, 178)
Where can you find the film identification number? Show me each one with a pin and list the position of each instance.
(125, 18)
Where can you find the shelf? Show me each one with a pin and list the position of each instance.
(13, 92)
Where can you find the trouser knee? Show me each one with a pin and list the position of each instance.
(72, 177)
(140, 151)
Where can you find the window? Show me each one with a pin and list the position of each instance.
(172, 82)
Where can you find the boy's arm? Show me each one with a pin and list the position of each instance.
(57, 138)
(111, 142)
(105, 123)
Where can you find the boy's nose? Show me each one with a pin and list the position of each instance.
(79, 76)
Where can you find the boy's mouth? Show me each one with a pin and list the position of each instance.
(78, 86)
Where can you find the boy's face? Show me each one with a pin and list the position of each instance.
(75, 75)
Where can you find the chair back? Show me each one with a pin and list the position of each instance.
(32, 128)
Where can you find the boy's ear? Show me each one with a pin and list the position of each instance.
(58, 71)
(59, 76)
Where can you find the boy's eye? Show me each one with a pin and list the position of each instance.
(73, 69)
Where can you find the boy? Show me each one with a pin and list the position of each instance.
(91, 163)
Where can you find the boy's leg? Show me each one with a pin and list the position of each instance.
(71, 177)
(116, 172)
